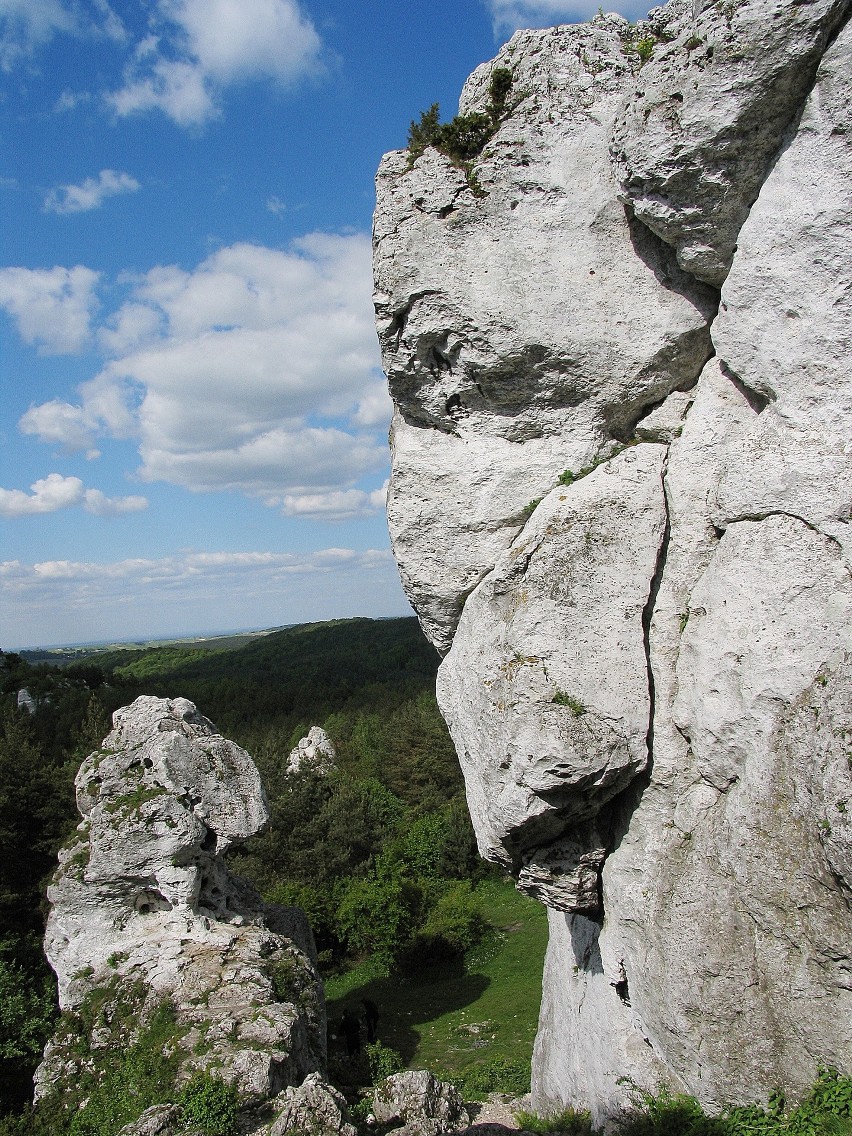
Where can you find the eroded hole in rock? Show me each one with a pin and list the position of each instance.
(148, 763)
(454, 406)
(149, 901)
(208, 844)
(438, 361)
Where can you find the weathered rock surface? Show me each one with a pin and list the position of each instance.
(545, 689)
(708, 116)
(159, 1120)
(145, 914)
(505, 376)
(416, 1103)
(648, 674)
(26, 701)
(315, 751)
(313, 1107)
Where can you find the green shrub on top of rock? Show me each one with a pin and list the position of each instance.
(464, 137)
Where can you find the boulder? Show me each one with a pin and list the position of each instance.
(160, 1120)
(314, 1107)
(417, 1103)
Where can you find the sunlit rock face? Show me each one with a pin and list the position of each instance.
(506, 359)
(145, 914)
(622, 482)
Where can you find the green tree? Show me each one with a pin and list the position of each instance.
(424, 133)
(378, 914)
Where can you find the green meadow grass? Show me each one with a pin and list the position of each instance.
(458, 1017)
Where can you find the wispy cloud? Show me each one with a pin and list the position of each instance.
(200, 47)
(189, 566)
(90, 194)
(193, 592)
(256, 372)
(70, 100)
(55, 492)
(52, 306)
(510, 15)
(27, 25)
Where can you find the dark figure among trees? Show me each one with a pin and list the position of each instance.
(350, 1027)
(371, 1018)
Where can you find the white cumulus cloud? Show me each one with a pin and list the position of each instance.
(510, 15)
(52, 306)
(257, 372)
(106, 408)
(55, 492)
(336, 505)
(90, 194)
(203, 46)
(27, 25)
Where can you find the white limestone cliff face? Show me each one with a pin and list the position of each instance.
(505, 358)
(145, 914)
(546, 688)
(648, 674)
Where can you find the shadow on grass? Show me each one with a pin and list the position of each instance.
(406, 1001)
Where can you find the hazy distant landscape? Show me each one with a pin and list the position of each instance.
(65, 653)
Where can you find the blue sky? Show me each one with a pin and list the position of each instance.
(194, 419)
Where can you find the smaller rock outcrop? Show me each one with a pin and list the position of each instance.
(158, 1120)
(149, 931)
(313, 1107)
(314, 752)
(26, 701)
(416, 1103)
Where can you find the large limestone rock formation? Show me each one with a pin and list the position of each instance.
(646, 322)
(145, 915)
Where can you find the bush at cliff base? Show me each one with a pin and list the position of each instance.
(210, 1105)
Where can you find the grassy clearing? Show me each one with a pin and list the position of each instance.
(460, 1016)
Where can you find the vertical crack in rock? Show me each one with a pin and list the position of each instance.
(545, 688)
(625, 805)
(647, 616)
